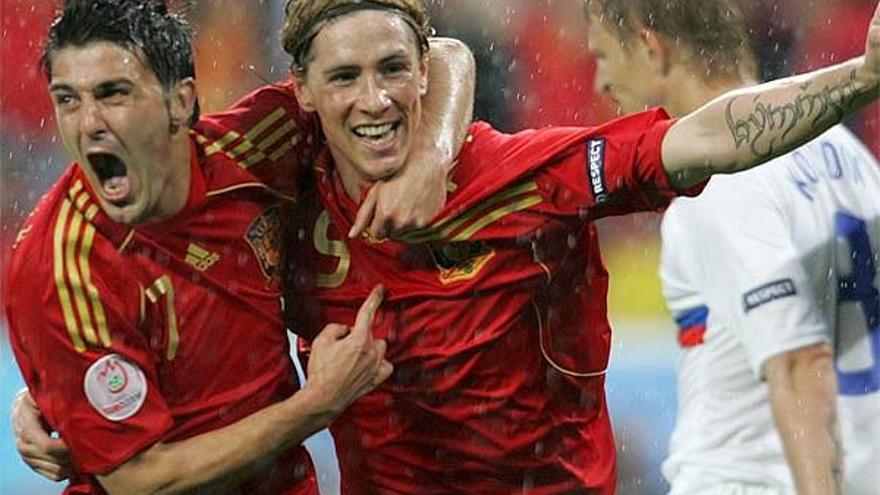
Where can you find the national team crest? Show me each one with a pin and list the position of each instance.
(459, 261)
(264, 236)
(115, 387)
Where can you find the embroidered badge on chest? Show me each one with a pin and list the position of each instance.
(264, 237)
(460, 261)
(115, 387)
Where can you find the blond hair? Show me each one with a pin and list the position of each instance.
(713, 30)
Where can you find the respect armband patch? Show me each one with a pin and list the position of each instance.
(767, 293)
(115, 387)
(596, 169)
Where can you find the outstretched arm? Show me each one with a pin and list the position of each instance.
(747, 127)
(803, 395)
(411, 199)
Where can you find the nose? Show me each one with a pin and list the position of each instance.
(373, 98)
(93, 126)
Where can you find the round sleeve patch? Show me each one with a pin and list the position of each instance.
(115, 387)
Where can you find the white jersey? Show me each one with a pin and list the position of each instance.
(763, 262)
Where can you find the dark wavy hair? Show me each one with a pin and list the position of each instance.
(161, 39)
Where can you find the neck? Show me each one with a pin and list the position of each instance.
(352, 182)
(175, 194)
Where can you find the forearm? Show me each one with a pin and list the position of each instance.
(448, 105)
(750, 126)
(803, 400)
(222, 458)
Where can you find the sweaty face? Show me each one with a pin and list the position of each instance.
(113, 119)
(365, 79)
(624, 71)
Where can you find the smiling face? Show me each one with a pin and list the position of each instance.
(365, 79)
(123, 127)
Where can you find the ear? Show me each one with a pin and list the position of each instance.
(657, 49)
(304, 95)
(182, 100)
(423, 75)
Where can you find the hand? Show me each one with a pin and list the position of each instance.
(405, 202)
(47, 456)
(346, 363)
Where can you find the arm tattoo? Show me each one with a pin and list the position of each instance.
(766, 128)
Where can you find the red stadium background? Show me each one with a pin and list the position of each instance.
(533, 70)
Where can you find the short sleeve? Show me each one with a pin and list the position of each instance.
(618, 169)
(753, 274)
(88, 367)
(266, 133)
(680, 276)
(574, 172)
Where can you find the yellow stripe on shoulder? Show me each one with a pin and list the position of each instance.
(58, 245)
(71, 268)
(80, 300)
(91, 289)
(496, 215)
(251, 150)
(444, 228)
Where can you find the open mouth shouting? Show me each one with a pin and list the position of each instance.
(113, 179)
(378, 136)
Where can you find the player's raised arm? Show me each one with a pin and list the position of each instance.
(345, 364)
(744, 128)
(410, 199)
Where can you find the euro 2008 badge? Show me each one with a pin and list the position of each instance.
(115, 387)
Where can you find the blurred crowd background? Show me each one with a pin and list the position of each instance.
(533, 70)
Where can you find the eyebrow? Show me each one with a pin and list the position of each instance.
(340, 68)
(400, 54)
(121, 81)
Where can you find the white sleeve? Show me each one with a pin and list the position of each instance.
(680, 274)
(756, 279)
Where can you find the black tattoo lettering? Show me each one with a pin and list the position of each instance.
(767, 127)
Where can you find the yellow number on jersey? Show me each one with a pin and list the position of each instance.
(328, 247)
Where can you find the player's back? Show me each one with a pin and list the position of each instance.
(840, 254)
(797, 242)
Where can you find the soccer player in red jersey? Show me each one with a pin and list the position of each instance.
(143, 292)
(495, 314)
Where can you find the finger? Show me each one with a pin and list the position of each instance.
(58, 449)
(381, 347)
(365, 213)
(368, 309)
(333, 332)
(31, 434)
(30, 451)
(385, 371)
(54, 472)
(382, 223)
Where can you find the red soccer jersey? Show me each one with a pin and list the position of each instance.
(131, 336)
(495, 314)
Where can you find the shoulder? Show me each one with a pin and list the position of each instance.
(60, 242)
(270, 110)
(33, 241)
